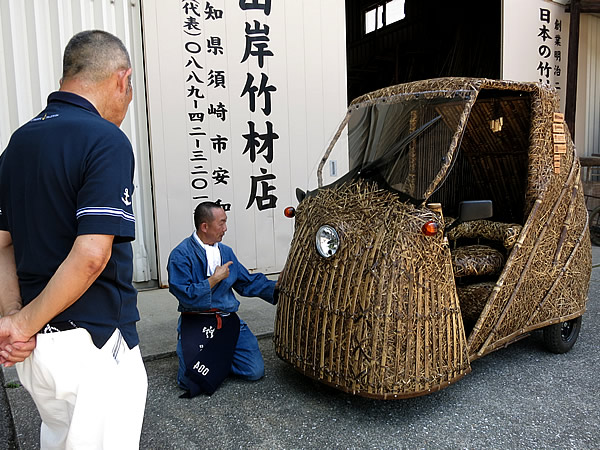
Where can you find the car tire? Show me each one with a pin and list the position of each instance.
(560, 337)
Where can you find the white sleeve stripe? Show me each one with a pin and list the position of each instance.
(104, 211)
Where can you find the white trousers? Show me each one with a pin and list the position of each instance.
(88, 398)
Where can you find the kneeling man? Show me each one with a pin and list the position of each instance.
(211, 340)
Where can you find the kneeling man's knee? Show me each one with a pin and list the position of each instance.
(256, 371)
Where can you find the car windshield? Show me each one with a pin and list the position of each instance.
(403, 143)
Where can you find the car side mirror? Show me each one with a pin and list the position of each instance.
(300, 195)
(472, 210)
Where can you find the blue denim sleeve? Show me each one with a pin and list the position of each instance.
(253, 285)
(192, 293)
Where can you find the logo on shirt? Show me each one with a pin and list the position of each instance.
(44, 117)
(126, 197)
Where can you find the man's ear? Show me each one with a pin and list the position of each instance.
(204, 227)
(124, 79)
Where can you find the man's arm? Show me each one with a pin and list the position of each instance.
(254, 285)
(10, 295)
(84, 263)
(10, 301)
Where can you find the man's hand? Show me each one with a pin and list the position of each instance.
(14, 345)
(17, 352)
(221, 272)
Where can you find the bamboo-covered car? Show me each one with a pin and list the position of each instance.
(400, 275)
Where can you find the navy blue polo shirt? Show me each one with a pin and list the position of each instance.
(65, 173)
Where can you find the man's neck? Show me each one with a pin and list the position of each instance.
(83, 90)
(204, 240)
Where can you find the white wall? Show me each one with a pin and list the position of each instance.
(308, 70)
(523, 52)
(535, 43)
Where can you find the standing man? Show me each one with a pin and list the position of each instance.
(66, 223)
(211, 340)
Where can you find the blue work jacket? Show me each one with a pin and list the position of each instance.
(188, 281)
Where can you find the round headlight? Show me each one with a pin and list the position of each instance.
(327, 241)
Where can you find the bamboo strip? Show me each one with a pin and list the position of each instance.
(560, 274)
(367, 307)
(410, 314)
(361, 300)
(448, 348)
(519, 333)
(330, 148)
(349, 280)
(336, 317)
(427, 344)
(388, 315)
(418, 343)
(401, 333)
(566, 225)
(436, 357)
(455, 337)
(325, 300)
(306, 310)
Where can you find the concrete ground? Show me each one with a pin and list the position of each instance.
(518, 397)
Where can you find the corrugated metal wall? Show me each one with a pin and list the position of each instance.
(33, 35)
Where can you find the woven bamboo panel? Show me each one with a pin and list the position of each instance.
(381, 317)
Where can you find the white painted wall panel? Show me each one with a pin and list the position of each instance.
(535, 43)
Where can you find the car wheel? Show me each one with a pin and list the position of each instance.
(560, 337)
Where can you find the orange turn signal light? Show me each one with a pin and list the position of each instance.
(289, 212)
(430, 228)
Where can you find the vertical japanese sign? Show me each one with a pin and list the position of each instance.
(535, 42)
(206, 108)
(206, 83)
(260, 143)
(218, 136)
(550, 48)
(243, 98)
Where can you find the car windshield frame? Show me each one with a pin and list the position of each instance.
(405, 142)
